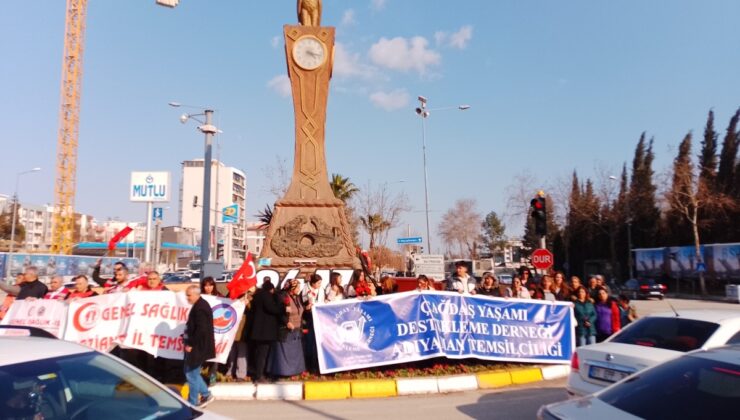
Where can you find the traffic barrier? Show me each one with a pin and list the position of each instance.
(525, 376)
(329, 390)
(493, 379)
(457, 383)
(374, 388)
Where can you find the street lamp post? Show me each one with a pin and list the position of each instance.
(15, 207)
(424, 113)
(209, 130)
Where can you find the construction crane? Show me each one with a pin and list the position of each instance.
(69, 123)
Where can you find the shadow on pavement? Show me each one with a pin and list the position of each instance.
(512, 404)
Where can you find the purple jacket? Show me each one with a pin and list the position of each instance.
(604, 318)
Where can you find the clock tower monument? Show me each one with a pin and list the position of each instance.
(309, 227)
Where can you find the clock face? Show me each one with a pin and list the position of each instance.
(309, 53)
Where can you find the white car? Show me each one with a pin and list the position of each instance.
(704, 384)
(43, 377)
(647, 342)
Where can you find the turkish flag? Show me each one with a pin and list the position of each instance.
(118, 237)
(244, 279)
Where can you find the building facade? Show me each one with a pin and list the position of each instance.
(228, 186)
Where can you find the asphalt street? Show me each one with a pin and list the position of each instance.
(519, 402)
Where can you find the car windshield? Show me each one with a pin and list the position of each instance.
(84, 386)
(687, 387)
(678, 334)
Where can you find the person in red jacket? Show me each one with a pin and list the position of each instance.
(153, 282)
(607, 315)
(82, 289)
(57, 291)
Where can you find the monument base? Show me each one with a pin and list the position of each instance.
(309, 234)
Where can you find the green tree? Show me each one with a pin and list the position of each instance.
(728, 156)
(677, 230)
(708, 156)
(643, 207)
(6, 225)
(342, 187)
(493, 238)
(374, 225)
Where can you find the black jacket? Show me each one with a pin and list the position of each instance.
(199, 334)
(264, 318)
(34, 289)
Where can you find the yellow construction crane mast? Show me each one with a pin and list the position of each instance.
(69, 122)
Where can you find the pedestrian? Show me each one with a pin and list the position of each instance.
(593, 288)
(262, 327)
(238, 356)
(153, 283)
(627, 311)
(57, 291)
(96, 272)
(585, 314)
(199, 346)
(489, 285)
(82, 289)
(30, 288)
(575, 283)
(461, 281)
(358, 286)
(560, 287)
(423, 283)
(388, 285)
(287, 353)
(545, 288)
(334, 291)
(525, 274)
(118, 283)
(602, 283)
(208, 287)
(517, 290)
(607, 315)
(311, 297)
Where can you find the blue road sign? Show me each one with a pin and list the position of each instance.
(412, 240)
(230, 214)
(157, 213)
(701, 267)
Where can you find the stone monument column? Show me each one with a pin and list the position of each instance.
(309, 227)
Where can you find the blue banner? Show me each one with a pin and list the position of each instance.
(411, 326)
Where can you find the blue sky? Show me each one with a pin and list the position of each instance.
(554, 86)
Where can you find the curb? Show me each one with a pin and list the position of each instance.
(381, 388)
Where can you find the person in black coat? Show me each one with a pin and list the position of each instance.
(263, 324)
(199, 345)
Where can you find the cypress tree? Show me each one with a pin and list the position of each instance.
(728, 156)
(679, 230)
(708, 156)
(645, 212)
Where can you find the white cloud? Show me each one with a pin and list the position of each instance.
(457, 39)
(275, 41)
(377, 4)
(404, 54)
(348, 18)
(390, 101)
(280, 84)
(348, 64)
(461, 38)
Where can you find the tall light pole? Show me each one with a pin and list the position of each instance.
(424, 113)
(209, 130)
(15, 207)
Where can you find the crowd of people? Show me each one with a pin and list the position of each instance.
(276, 336)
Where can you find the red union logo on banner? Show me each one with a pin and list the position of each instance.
(542, 259)
(86, 317)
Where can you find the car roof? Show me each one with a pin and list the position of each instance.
(727, 354)
(16, 349)
(718, 316)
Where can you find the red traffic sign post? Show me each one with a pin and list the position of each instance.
(542, 259)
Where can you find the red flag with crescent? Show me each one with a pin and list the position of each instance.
(244, 279)
(118, 237)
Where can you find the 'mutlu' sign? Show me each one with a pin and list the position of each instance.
(150, 186)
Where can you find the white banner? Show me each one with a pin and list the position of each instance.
(99, 322)
(47, 314)
(148, 321)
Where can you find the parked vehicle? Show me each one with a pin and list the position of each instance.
(649, 341)
(704, 384)
(43, 377)
(643, 289)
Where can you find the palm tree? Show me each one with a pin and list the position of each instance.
(343, 189)
(265, 216)
(375, 225)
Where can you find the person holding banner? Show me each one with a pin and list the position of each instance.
(119, 281)
(334, 291)
(311, 296)
(82, 289)
(461, 281)
(422, 283)
(96, 271)
(287, 353)
(57, 291)
(517, 290)
(199, 344)
(359, 287)
(31, 287)
(489, 285)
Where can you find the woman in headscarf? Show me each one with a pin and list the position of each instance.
(286, 356)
